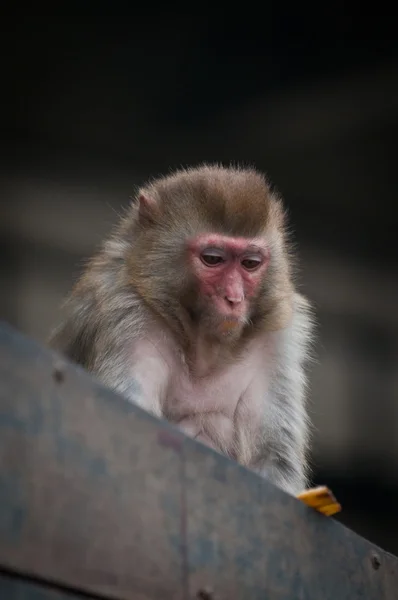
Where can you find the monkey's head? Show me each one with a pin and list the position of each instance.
(209, 248)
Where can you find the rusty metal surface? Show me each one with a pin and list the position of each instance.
(97, 495)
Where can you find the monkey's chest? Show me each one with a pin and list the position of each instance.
(189, 396)
(223, 411)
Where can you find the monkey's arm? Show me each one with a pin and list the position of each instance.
(282, 455)
(103, 331)
(282, 458)
(277, 451)
(116, 361)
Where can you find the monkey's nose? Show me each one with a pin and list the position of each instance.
(232, 301)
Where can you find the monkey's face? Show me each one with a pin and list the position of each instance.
(229, 272)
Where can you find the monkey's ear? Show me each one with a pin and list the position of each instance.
(148, 209)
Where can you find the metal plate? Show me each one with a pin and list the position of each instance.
(14, 588)
(98, 495)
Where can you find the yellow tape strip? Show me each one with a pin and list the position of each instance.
(321, 499)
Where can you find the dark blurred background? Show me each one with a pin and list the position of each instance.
(93, 105)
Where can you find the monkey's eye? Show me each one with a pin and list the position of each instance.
(212, 258)
(251, 263)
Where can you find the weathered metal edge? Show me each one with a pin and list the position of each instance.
(223, 464)
(14, 587)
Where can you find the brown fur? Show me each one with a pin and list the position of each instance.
(234, 202)
(128, 321)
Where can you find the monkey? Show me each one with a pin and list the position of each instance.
(189, 309)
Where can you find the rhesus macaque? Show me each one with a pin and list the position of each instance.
(190, 311)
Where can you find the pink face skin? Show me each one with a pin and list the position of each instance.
(229, 271)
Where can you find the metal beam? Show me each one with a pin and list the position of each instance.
(100, 497)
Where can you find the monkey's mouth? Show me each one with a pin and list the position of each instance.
(228, 325)
(230, 311)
